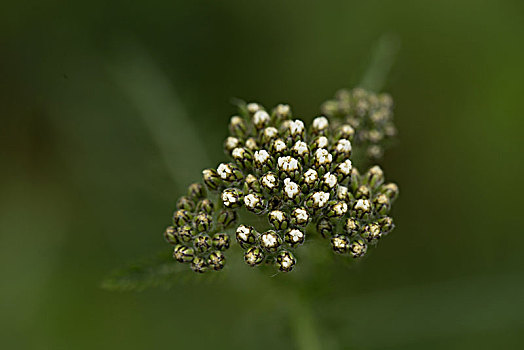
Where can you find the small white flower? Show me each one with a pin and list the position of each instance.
(290, 188)
(238, 152)
(296, 127)
(251, 144)
(363, 204)
(261, 156)
(253, 107)
(376, 171)
(358, 249)
(283, 109)
(279, 145)
(251, 200)
(296, 235)
(229, 198)
(251, 258)
(374, 230)
(345, 167)
(243, 232)
(346, 129)
(269, 180)
(375, 136)
(224, 171)
(320, 123)
(236, 120)
(340, 243)
(323, 156)
(207, 173)
(340, 208)
(269, 239)
(287, 261)
(342, 192)
(300, 148)
(320, 199)
(322, 142)
(287, 163)
(232, 142)
(391, 187)
(330, 180)
(343, 146)
(277, 215)
(382, 199)
(270, 132)
(301, 215)
(260, 118)
(310, 176)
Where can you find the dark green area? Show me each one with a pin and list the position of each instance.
(108, 110)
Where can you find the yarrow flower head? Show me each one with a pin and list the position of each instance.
(298, 179)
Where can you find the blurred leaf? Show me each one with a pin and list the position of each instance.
(158, 271)
(427, 312)
(382, 59)
(154, 97)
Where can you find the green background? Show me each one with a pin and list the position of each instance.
(108, 110)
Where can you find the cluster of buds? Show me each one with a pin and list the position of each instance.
(370, 116)
(295, 179)
(198, 232)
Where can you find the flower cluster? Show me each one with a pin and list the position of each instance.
(370, 115)
(297, 179)
(198, 231)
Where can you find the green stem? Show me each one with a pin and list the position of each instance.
(303, 324)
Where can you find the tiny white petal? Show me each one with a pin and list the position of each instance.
(301, 215)
(278, 215)
(363, 204)
(300, 147)
(253, 107)
(310, 176)
(320, 123)
(322, 142)
(323, 156)
(243, 232)
(251, 200)
(261, 156)
(279, 145)
(231, 142)
(269, 239)
(345, 167)
(320, 199)
(287, 163)
(238, 152)
(343, 146)
(296, 235)
(340, 208)
(290, 188)
(283, 109)
(224, 170)
(330, 180)
(269, 180)
(296, 127)
(260, 117)
(270, 132)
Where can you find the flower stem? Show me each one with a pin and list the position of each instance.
(303, 324)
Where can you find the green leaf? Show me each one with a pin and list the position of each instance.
(158, 271)
(157, 103)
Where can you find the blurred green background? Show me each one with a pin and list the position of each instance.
(109, 109)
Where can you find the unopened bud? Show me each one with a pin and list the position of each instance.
(183, 254)
(285, 261)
